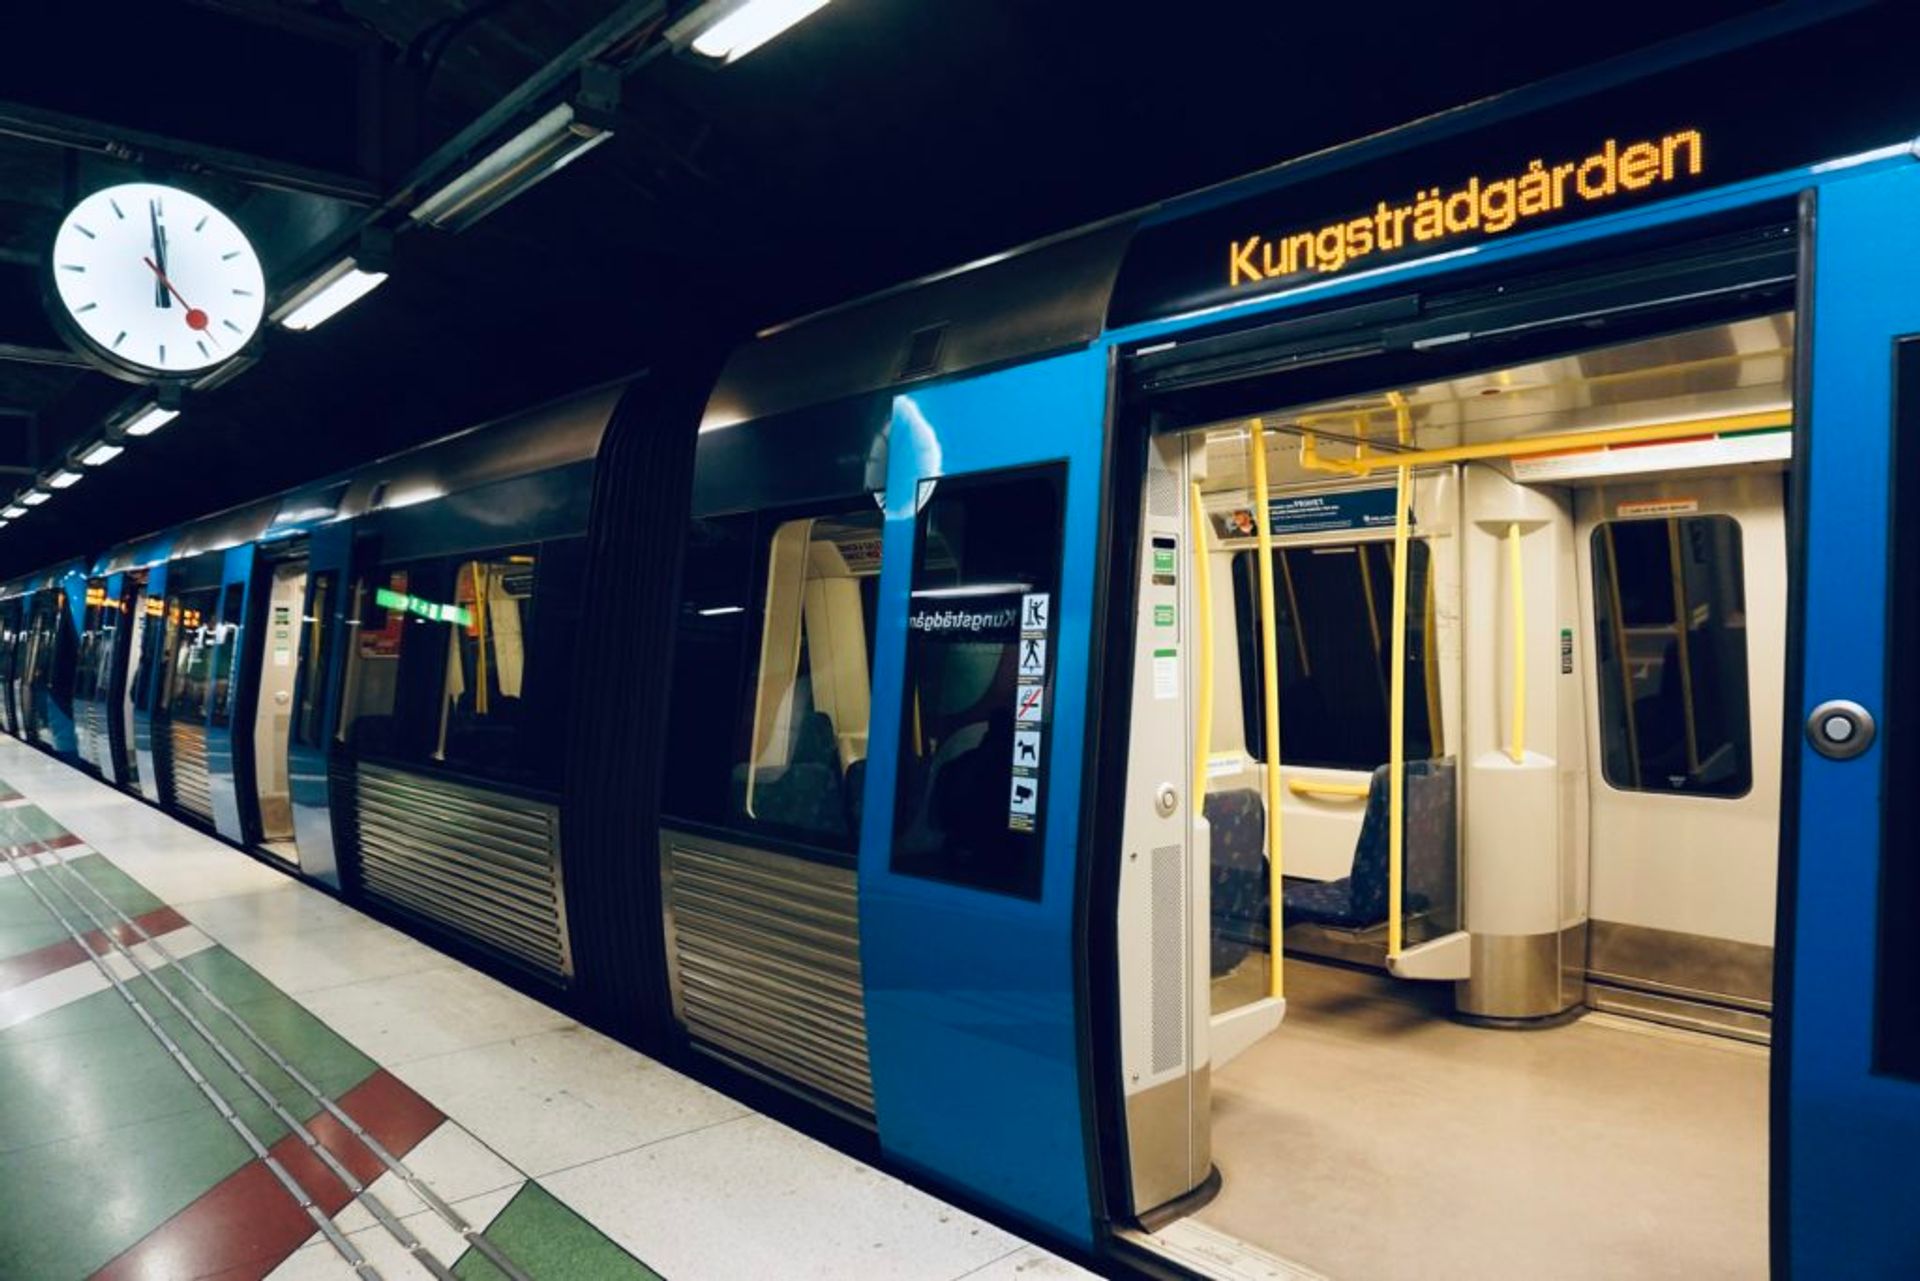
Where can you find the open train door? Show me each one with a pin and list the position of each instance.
(1847, 1086)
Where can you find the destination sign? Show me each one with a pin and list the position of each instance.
(1537, 158)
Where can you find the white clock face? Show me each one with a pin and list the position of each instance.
(157, 278)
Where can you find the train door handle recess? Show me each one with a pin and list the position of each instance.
(1840, 729)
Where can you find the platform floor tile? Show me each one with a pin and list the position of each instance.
(581, 1159)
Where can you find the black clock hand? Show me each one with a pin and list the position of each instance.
(161, 296)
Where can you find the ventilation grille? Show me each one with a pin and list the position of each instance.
(188, 765)
(1169, 943)
(1163, 487)
(765, 957)
(479, 863)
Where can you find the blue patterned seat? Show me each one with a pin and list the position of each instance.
(1359, 899)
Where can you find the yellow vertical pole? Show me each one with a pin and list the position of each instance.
(1202, 646)
(1517, 748)
(1270, 701)
(1397, 698)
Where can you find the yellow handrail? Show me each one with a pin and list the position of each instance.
(1270, 700)
(1592, 437)
(1397, 703)
(1517, 748)
(1203, 643)
(1319, 787)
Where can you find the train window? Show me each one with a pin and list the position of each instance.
(1896, 1040)
(439, 670)
(1670, 605)
(315, 650)
(802, 763)
(1333, 614)
(151, 647)
(226, 638)
(191, 619)
(709, 659)
(970, 804)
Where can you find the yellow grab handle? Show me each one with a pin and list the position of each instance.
(1270, 699)
(1517, 748)
(1315, 787)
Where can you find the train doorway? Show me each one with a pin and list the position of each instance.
(278, 657)
(1490, 667)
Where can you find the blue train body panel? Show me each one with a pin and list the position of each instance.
(970, 995)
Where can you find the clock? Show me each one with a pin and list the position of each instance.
(152, 281)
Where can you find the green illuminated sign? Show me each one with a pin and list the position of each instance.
(429, 610)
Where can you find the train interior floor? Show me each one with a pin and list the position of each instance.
(1372, 1137)
(562, 1152)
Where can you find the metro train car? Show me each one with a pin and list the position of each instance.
(1351, 723)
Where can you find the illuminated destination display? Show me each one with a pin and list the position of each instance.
(1546, 156)
(432, 611)
(1486, 205)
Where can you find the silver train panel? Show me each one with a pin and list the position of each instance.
(192, 789)
(763, 956)
(481, 863)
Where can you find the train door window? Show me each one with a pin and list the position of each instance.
(150, 618)
(484, 680)
(1333, 614)
(802, 769)
(192, 624)
(373, 663)
(971, 797)
(316, 648)
(710, 657)
(226, 639)
(1670, 609)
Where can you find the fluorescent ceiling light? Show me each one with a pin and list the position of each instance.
(5, 523)
(717, 610)
(328, 294)
(102, 454)
(729, 30)
(14, 512)
(34, 497)
(150, 420)
(66, 478)
(543, 148)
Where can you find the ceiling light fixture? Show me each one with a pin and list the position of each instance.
(66, 478)
(101, 454)
(149, 419)
(542, 149)
(729, 30)
(34, 497)
(15, 512)
(328, 294)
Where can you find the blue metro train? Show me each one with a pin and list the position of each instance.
(1349, 724)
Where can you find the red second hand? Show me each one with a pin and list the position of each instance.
(196, 319)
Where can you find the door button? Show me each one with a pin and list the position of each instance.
(1840, 729)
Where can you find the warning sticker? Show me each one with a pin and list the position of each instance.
(1027, 703)
(1026, 749)
(1033, 657)
(1036, 611)
(1025, 798)
(1163, 616)
(1658, 507)
(1166, 673)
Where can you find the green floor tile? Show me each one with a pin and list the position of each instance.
(303, 1040)
(70, 1207)
(26, 823)
(121, 890)
(109, 1073)
(546, 1240)
(24, 924)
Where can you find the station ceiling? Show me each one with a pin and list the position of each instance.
(877, 141)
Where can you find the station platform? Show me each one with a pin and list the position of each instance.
(169, 1121)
